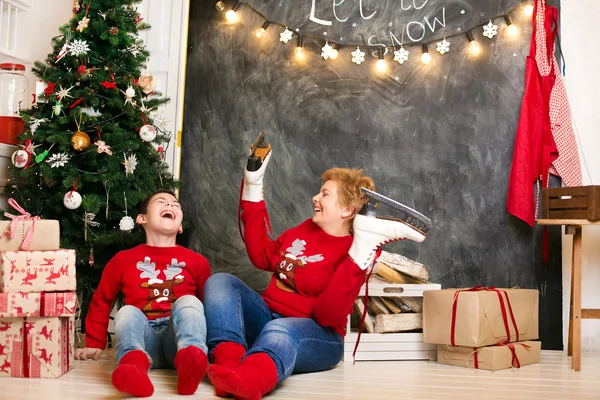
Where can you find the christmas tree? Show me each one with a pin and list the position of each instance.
(91, 147)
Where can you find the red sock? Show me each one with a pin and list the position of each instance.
(131, 376)
(228, 355)
(252, 379)
(191, 363)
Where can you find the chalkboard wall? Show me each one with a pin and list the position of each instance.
(437, 137)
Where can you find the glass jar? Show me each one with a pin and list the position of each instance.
(14, 87)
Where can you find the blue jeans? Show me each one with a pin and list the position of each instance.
(161, 338)
(236, 313)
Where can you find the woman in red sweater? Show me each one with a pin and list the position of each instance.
(298, 323)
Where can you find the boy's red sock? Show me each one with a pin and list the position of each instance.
(252, 379)
(228, 355)
(131, 375)
(190, 363)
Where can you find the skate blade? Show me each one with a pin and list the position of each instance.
(410, 217)
(260, 148)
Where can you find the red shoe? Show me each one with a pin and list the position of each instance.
(131, 376)
(191, 364)
(252, 379)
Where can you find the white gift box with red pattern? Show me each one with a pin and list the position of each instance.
(47, 353)
(52, 304)
(37, 271)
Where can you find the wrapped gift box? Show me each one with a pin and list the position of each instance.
(46, 235)
(479, 317)
(492, 358)
(52, 304)
(47, 352)
(37, 271)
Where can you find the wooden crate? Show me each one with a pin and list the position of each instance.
(577, 202)
(390, 346)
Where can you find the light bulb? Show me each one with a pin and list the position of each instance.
(333, 54)
(231, 16)
(259, 32)
(475, 46)
(299, 52)
(425, 57)
(220, 6)
(513, 30)
(528, 10)
(381, 65)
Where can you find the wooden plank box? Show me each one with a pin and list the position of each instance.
(577, 202)
(390, 346)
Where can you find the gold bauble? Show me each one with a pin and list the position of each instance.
(80, 141)
(220, 6)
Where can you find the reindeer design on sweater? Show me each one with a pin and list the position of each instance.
(285, 272)
(161, 296)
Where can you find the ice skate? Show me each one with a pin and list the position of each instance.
(259, 150)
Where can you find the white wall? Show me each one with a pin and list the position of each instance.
(582, 80)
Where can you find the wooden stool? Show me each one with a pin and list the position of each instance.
(573, 227)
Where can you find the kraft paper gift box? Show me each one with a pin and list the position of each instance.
(492, 358)
(479, 316)
(45, 235)
(47, 352)
(52, 304)
(37, 271)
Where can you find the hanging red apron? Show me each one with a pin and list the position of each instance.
(535, 148)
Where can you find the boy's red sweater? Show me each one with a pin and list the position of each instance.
(151, 279)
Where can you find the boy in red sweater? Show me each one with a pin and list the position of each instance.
(298, 323)
(162, 324)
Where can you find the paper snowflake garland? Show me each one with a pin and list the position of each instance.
(326, 51)
(58, 160)
(490, 30)
(443, 46)
(130, 163)
(82, 24)
(401, 55)
(358, 56)
(285, 36)
(79, 47)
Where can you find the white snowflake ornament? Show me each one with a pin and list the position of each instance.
(443, 46)
(358, 56)
(126, 224)
(64, 92)
(79, 47)
(129, 95)
(326, 50)
(35, 123)
(401, 55)
(130, 163)
(58, 160)
(490, 30)
(285, 36)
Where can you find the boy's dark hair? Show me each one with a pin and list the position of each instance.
(143, 206)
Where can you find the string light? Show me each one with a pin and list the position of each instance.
(262, 29)
(425, 57)
(231, 15)
(475, 49)
(512, 29)
(331, 49)
(381, 65)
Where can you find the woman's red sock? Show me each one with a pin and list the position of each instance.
(252, 379)
(228, 355)
(190, 363)
(131, 375)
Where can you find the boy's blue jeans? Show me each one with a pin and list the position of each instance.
(236, 313)
(161, 338)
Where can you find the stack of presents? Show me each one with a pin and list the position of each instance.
(37, 298)
(483, 327)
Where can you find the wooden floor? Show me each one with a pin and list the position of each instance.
(551, 379)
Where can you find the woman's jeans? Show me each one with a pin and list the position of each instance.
(236, 313)
(161, 338)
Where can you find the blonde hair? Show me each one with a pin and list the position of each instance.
(350, 180)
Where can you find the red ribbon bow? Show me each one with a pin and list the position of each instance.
(25, 216)
(502, 308)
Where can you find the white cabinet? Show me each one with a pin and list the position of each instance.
(13, 23)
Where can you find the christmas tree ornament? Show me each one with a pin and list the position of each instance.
(76, 7)
(113, 30)
(57, 108)
(130, 162)
(72, 200)
(103, 147)
(147, 83)
(35, 123)
(81, 25)
(88, 221)
(64, 92)
(20, 158)
(80, 141)
(147, 133)
(358, 56)
(129, 95)
(126, 224)
(58, 160)
(79, 48)
(39, 158)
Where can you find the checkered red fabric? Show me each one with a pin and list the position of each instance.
(567, 165)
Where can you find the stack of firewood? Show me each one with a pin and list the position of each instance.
(392, 313)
